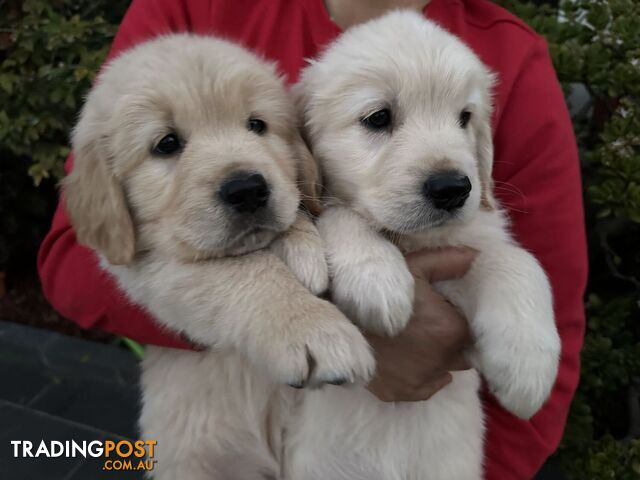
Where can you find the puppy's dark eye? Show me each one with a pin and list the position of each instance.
(465, 116)
(256, 125)
(378, 120)
(168, 145)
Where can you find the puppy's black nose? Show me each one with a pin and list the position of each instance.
(447, 190)
(245, 192)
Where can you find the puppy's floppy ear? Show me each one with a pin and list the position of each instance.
(484, 153)
(95, 199)
(308, 175)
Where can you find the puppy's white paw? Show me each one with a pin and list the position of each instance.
(520, 373)
(376, 292)
(303, 253)
(321, 348)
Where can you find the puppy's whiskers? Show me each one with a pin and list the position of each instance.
(510, 189)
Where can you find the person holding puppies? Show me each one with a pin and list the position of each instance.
(535, 172)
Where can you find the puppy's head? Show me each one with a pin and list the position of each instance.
(188, 144)
(397, 111)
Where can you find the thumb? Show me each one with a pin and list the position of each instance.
(434, 265)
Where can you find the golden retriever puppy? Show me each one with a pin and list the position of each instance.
(397, 112)
(187, 161)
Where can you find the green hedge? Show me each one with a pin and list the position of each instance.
(50, 51)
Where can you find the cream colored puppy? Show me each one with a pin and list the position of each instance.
(187, 160)
(397, 112)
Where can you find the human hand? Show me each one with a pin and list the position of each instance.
(416, 363)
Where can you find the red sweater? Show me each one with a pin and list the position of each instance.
(536, 173)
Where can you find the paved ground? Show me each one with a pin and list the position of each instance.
(54, 387)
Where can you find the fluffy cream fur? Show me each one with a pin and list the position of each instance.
(200, 268)
(377, 210)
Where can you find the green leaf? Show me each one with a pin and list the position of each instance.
(6, 83)
(137, 348)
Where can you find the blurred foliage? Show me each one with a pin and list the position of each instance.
(596, 43)
(50, 51)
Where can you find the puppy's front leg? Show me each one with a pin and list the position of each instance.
(370, 280)
(301, 249)
(507, 299)
(253, 304)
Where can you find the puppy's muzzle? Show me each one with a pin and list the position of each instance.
(447, 190)
(245, 192)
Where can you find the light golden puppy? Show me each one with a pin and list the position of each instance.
(187, 162)
(397, 111)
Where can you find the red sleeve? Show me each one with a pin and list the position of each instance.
(537, 177)
(71, 278)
